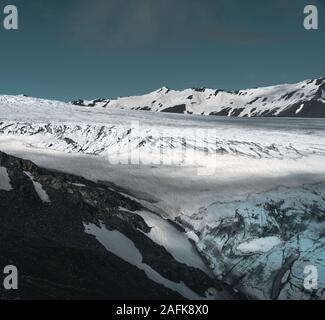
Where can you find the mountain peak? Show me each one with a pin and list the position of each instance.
(163, 89)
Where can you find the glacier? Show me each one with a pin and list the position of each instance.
(257, 218)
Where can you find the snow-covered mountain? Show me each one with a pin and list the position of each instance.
(303, 99)
(24, 100)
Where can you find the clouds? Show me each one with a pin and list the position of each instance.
(138, 22)
(116, 21)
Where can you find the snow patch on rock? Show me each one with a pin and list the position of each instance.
(4, 180)
(117, 243)
(38, 188)
(258, 245)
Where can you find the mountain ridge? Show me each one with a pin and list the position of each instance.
(305, 99)
(302, 99)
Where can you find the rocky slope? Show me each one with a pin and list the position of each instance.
(303, 99)
(45, 222)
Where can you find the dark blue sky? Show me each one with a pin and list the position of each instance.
(106, 48)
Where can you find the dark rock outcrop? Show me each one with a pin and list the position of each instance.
(57, 259)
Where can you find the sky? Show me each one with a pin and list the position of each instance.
(69, 49)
